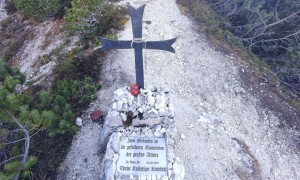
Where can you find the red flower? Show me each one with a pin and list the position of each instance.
(134, 89)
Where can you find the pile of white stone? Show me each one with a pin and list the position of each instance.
(152, 115)
(149, 107)
(109, 163)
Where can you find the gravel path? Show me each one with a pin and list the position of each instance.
(228, 135)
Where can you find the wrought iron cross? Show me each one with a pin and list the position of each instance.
(137, 43)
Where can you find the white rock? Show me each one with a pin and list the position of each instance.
(130, 97)
(135, 112)
(170, 166)
(225, 87)
(151, 100)
(125, 107)
(178, 169)
(182, 136)
(78, 122)
(157, 128)
(171, 107)
(162, 130)
(120, 92)
(157, 134)
(109, 153)
(168, 121)
(115, 145)
(152, 115)
(114, 106)
(140, 110)
(109, 169)
(171, 156)
(145, 129)
(144, 107)
(161, 102)
(154, 110)
(114, 121)
(114, 113)
(209, 119)
(169, 173)
(124, 117)
(172, 131)
(119, 105)
(161, 111)
(124, 100)
(130, 102)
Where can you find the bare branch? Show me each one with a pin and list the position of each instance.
(26, 148)
(282, 20)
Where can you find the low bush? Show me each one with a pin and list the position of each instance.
(91, 18)
(52, 112)
(40, 9)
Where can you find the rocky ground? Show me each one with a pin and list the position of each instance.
(2, 11)
(225, 131)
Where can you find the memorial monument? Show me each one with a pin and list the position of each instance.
(139, 128)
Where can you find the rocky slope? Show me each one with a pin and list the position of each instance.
(225, 132)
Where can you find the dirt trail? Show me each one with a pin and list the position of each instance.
(227, 133)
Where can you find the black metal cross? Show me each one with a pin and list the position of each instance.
(137, 43)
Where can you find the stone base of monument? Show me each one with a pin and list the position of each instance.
(140, 135)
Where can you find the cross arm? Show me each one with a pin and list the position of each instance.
(161, 45)
(111, 44)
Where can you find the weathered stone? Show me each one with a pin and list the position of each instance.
(161, 111)
(119, 106)
(120, 92)
(162, 130)
(157, 134)
(115, 145)
(151, 101)
(114, 113)
(114, 121)
(209, 119)
(125, 107)
(109, 153)
(140, 110)
(124, 117)
(114, 106)
(109, 169)
(172, 131)
(96, 115)
(170, 166)
(157, 127)
(178, 169)
(78, 122)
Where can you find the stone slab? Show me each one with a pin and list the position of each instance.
(142, 156)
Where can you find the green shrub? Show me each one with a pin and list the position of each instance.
(77, 64)
(41, 9)
(91, 18)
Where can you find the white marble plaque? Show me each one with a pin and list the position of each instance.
(142, 156)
